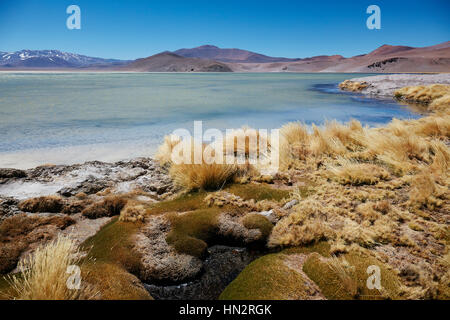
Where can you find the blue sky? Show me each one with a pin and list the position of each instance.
(129, 29)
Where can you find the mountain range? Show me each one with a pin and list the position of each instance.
(52, 59)
(208, 58)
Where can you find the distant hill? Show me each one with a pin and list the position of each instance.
(51, 59)
(228, 55)
(386, 58)
(171, 62)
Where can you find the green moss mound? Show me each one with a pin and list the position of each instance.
(113, 244)
(190, 245)
(266, 278)
(258, 192)
(185, 202)
(257, 221)
(111, 262)
(190, 232)
(269, 278)
(114, 282)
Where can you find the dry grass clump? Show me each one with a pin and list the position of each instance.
(245, 141)
(108, 207)
(52, 204)
(334, 139)
(44, 274)
(207, 175)
(243, 153)
(440, 104)
(425, 191)
(354, 173)
(202, 176)
(430, 126)
(305, 226)
(295, 141)
(335, 277)
(230, 200)
(429, 186)
(345, 277)
(133, 213)
(437, 96)
(353, 86)
(18, 232)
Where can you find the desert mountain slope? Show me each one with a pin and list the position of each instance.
(170, 62)
(229, 55)
(386, 58)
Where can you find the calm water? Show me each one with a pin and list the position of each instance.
(67, 118)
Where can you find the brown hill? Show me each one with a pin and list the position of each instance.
(170, 62)
(229, 55)
(384, 59)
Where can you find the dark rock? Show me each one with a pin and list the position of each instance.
(87, 187)
(8, 207)
(221, 267)
(7, 174)
(12, 173)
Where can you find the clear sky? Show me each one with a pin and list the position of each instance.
(129, 29)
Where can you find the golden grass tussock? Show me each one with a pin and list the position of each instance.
(324, 143)
(206, 175)
(245, 141)
(243, 154)
(202, 176)
(430, 126)
(44, 274)
(353, 86)
(306, 225)
(355, 173)
(436, 96)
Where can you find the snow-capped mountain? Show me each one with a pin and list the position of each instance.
(51, 59)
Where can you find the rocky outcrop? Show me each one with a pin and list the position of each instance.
(386, 85)
(88, 178)
(6, 174)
